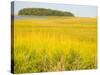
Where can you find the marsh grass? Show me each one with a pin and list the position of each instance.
(72, 46)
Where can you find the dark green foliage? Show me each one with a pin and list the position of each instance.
(43, 12)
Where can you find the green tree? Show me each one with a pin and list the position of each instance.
(43, 12)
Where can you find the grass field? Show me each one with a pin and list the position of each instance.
(55, 44)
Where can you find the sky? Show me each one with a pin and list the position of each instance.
(77, 10)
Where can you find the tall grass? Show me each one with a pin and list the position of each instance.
(54, 44)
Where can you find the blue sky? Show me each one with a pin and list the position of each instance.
(77, 10)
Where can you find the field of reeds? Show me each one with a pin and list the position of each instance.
(55, 44)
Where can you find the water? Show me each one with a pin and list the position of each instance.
(30, 17)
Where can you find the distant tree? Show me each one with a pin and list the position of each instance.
(43, 12)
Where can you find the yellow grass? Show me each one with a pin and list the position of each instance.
(55, 44)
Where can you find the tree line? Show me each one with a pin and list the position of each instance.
(43, 12)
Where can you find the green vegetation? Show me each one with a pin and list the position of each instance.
(43, 12)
